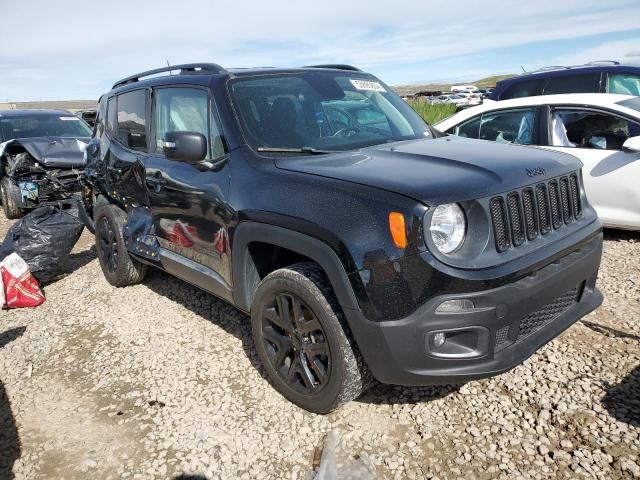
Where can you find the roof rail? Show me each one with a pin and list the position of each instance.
(597, 62)
(186, 68)
(550, 67)
(335, 66)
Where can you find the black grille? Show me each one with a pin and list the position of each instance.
(499, 220)
(501, 335)
(515, 217)
(530, 216)
(524, 215)
(543, 209)
(575, 196)
(554, 197)
(538, 319)
(564, 200)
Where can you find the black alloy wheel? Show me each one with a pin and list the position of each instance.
(303, 340)
(296, 344)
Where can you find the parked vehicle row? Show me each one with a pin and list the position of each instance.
(363, 243)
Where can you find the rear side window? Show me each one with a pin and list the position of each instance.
(469, 129)
(624, 83)
(512, 126)
(585, 83)
(527, 88)
(508, 126)
(131, 124)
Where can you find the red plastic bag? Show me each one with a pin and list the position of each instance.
(20, 288)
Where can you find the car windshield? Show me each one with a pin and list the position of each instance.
(29, 126)
(322, 111)
(632, 103)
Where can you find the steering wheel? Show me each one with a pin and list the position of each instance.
(347, 132)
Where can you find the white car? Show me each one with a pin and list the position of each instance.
(601, 129)
(472, 98)
(457, 100)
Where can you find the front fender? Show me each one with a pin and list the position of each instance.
(318, 251)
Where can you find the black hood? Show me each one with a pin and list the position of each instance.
(442, 170)
(53, 152)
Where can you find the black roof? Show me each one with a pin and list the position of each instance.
(206, 69)
(33, 112)
(599, 65)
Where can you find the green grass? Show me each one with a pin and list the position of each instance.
(432, 113)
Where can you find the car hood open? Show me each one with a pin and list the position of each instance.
(441, 170)
(51, 152)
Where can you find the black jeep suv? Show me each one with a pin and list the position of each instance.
(362, 243)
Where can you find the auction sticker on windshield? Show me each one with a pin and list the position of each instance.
(367, 85)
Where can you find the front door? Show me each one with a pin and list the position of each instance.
(610, 174)
(188, 201)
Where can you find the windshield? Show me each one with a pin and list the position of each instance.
(632, 103)
(322, 111)
(43, 126)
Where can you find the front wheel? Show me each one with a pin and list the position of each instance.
(303, 341)
(119, 268)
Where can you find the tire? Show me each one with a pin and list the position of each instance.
(119, 268)
(312, 361)
(11, 198)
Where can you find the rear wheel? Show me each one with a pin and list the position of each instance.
(11, 198)
(119, 268)
(303, 342)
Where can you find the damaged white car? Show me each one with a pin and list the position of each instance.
(41, 158)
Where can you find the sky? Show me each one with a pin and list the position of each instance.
(70, 49)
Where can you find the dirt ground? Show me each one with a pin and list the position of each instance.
(161, 380)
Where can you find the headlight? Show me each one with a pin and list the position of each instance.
(448, 227)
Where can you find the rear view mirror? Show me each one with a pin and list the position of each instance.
(632, 145)
(186, 146)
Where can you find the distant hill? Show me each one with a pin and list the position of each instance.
(55, 104)
(445, 87)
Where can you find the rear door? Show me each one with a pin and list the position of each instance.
(610, 175)
(188, 201)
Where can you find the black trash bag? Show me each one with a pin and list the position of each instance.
(44, 239)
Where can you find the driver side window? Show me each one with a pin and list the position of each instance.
(590, 129)
(185, 109)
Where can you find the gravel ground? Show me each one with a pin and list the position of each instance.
(160, 380)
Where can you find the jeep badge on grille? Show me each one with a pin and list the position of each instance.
(535, 172)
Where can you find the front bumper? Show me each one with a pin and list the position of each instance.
(509, 322)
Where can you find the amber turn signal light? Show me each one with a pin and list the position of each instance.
(397, 229)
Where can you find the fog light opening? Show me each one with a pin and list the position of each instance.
(456, 305)
(439, 339)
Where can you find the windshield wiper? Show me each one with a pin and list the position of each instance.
(309, 150)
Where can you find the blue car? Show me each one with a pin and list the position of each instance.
(593, 77)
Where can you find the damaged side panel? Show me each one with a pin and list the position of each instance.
(139, 234)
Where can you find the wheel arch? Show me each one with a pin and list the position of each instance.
(246, 279)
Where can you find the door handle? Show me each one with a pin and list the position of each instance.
(156, 182)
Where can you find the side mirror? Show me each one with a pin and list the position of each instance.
(631, 145)
(186, 146)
